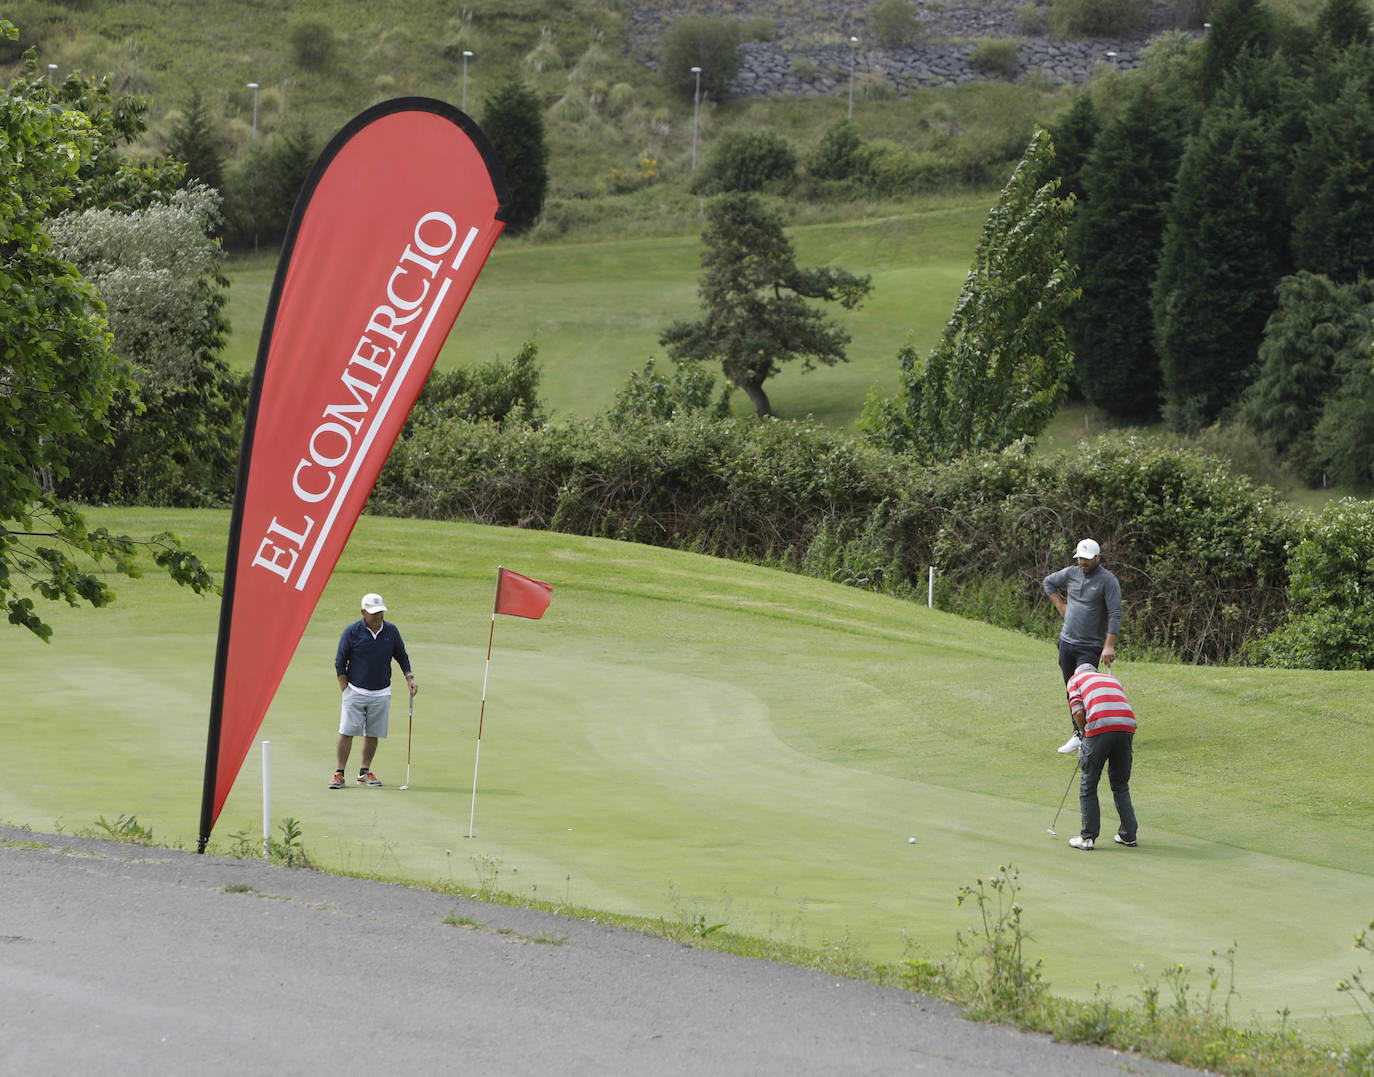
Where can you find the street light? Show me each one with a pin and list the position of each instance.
(253, 170)
(696, 110)
(51, 69)
(466, 54)
(852, 42)
(1111, 57)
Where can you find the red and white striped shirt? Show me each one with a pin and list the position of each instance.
(1101, 696)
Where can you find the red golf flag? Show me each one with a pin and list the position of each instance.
(521, 596)
(387, 238)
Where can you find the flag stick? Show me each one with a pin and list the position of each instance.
(472, 813)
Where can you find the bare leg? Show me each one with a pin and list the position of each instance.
(345, 746)
(369, 750)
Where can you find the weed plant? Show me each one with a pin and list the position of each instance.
(126, 828)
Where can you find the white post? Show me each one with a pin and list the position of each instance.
(930, 589)
(266, 798)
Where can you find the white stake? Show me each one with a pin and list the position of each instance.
(266, 799)
(930, 589)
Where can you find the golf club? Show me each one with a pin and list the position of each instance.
(1065, 797)
(410, 729)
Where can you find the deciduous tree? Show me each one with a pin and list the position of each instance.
(57, 373)
(1001, 368)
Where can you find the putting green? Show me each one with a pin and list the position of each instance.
(682, 736)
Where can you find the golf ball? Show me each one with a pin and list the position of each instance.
(911, 841)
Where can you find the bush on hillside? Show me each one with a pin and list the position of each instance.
(996, 56)
(1098, 18)
(745, 160)
(649, 394)
(1331, 620)
(896, 24)
(313, 43)
(495, 392)
(1201, 552)
(699, 41)
(838, 155)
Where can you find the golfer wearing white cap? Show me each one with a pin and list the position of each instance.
(363, 663)
(1088, 597)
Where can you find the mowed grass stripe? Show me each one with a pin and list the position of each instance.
(683, 736)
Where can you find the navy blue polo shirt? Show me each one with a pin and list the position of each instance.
(367, 661)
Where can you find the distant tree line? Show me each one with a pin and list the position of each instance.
(259, 188)
(1225, 236)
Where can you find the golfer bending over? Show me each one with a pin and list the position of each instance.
(1090, 604)
(1100, 710)
(363, 663)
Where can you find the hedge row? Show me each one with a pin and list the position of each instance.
(1202, 553)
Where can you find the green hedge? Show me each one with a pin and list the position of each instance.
(1201, 552)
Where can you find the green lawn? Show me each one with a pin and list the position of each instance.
(596, 309)
(684, 736)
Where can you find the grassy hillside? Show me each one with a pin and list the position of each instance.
(597, 308)
(682, 737)
(625, 264)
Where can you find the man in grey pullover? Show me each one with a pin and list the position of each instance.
(1088, 597)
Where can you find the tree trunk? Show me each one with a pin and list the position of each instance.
(753, 389)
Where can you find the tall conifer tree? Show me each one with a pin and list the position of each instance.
(1115, 239)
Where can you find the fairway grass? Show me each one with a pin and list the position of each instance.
(684, 737)
(596, 309)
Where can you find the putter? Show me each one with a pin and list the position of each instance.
(1064, 799)
(410, 729)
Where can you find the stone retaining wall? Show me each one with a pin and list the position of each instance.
(810, 55)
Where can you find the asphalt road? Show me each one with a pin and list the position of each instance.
(119, 959)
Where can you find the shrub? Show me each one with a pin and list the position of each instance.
(313, 43)
(1201, 552)
(491, 392)
(896, 24)
(1098, 18)
(995, 57)
(758, 28)
(1331, 620)
(651, 395)
(1031, 20)
(698, 41)
(745, 160)
(838, 154)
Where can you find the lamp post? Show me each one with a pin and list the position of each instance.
(696, 111)
(253, 170)
(51, 69)
(1111, 58)
(852, 42)
(466, 54)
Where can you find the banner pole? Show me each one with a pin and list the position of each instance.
(481, 717)
(267, 800)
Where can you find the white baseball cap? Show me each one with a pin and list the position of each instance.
(1087, 548)
(372, 603)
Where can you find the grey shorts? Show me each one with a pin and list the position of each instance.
(364, 716)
